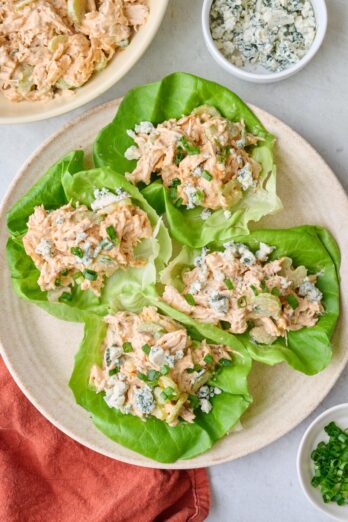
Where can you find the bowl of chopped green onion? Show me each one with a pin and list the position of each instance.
(322, 462)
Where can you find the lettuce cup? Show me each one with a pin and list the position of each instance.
(197, 153)
(78, 238)
(276, 290)
(163, 389)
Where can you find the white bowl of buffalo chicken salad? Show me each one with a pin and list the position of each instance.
(263, 41)
(56, 55)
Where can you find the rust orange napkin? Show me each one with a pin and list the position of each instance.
(46, 476)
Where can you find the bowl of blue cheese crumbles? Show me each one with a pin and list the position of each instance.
(263, 40)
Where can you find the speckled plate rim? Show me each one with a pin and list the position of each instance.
(205, 459)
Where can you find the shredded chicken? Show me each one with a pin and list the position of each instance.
(151, 366)
(80, 246)
(202, 158)
(246, 292)
(52, 46)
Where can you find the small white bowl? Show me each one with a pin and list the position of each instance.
(305, 468)
(121, 63)
(264, 76)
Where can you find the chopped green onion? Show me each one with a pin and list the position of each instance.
(142, 376)
(111, 232)
(153, 375)
(264, 287)
(188, 147)
(58, 282)
(208, 358)
(225, 325)
(229, 284)
(206, 175)
(127, 347)
(225, 362)
(178, 203)
(176, 182)
(64, 272)
(76, 251)
(179, 157)
(168, 393)
(254, 289)
(91, 275)
(196, 368)
(194, 401)
(164, 369)
(113, 371)
(66, 297)
(242, 302)
(331, 465)
(146, 349)
(275, 291)
(190, 299)
(293, 302)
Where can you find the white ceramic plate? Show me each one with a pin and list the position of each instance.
(118, 67)
(305, 468)
(39, 349)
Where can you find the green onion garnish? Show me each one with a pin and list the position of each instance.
(64, 272)
(146, 349)
(264, 287)
(91, 275)
(331, 466)
(76, 251)
(190, 299)
(153, 375)
(127, 347)
(242, 302)
(225, 362)
(176, 182)
(229, 284)
(225, 325)
(111, 232)
(168, 393)
(254, 289)
(142, 376)
(188, 147)
(179, 157)
(164, 369)
(113, 371)
(58, 282)
(275, 291)
(196, 368)
(206, 175)
(208, 358)
(66, 297)
(194, 401)
(293, 302)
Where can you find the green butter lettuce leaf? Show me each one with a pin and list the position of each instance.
(63, 183)
(154, 438)
(174, 96)
(307, 350)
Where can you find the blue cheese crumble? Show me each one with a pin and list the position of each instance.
(274, 34)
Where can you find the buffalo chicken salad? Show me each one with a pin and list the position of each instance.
(76, 245)
(203, 159)
(52, 46)
(151, 366)
(244, 291)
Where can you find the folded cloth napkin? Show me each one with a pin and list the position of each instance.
(45, 475)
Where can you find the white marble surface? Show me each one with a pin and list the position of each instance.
(262, 486)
